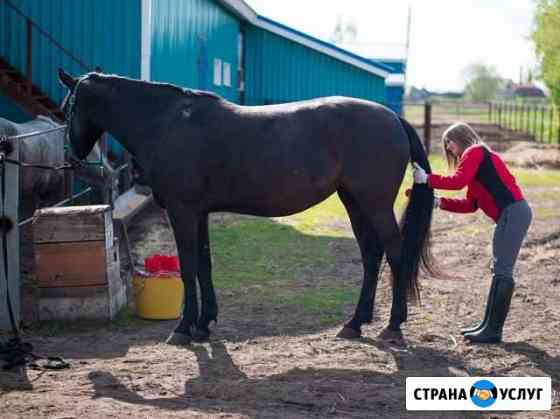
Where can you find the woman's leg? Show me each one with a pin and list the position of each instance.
(508, 237)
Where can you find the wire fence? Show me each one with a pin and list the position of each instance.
(537, 120)
(542, 122)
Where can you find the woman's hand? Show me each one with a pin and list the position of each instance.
(419, 174)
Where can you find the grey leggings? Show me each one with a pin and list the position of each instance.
(509, 235)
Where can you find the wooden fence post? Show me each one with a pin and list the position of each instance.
(558, 137)
(541, 137)
(12, 283)
(427, 126)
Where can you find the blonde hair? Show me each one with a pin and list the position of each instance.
(461, 134)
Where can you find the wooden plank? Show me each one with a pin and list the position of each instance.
(13, 282)
(72, 264)
(74, 224)
(99, 302)
(129, 204)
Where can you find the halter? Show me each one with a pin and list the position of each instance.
(70, 110)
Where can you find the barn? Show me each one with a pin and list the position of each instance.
(218, 45)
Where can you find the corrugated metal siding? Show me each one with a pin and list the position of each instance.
(279, 70)
(395, 98)
(186, 38)
(11, 112)
(103, 33)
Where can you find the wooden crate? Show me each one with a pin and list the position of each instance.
(74, 264)
(92, 302)
(74, 224)
(78, 266)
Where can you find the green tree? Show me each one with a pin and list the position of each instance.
(546, 37)
(482, 82)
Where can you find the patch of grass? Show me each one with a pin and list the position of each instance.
(259, 251)
(534, 178)
(327, 299)
(546, 213)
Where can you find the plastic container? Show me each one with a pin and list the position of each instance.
(158, 290)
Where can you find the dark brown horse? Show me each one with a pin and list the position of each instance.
(201, 153)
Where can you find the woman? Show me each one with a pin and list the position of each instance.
(493, 189)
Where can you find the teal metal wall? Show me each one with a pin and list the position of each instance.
(11, 112)
(103, 33)
(187, 36)
(279, 70)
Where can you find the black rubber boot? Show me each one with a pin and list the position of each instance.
(492, 331)
(481, 325)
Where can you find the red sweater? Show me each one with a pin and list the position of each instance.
(491, 187)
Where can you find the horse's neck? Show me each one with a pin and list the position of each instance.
(124, 117)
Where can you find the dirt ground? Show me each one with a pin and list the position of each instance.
(280, 361)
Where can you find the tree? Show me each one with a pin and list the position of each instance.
(546, 37)
(482, 82)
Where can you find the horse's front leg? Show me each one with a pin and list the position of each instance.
(209, 306)
(184, 222)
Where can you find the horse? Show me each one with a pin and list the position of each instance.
(40, 187)
(202, 154)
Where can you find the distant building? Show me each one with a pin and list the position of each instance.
(528, 91)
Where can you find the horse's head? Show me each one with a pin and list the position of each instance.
(78, 106)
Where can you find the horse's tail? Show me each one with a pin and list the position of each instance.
(416, 221)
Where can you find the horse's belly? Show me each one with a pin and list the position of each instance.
(281, 200)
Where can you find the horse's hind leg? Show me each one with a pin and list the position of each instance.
(209, 306)
(372, 252)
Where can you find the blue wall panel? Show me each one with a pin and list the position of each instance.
(12, 112)
(186, 38)
(103, 33)
(395, 98)
(279, 70)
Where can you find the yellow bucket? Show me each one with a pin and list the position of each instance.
(158, 297)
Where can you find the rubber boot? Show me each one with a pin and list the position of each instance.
(481, 325)
(492, 331)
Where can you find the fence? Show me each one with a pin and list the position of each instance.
(541, 122)
(10, 223)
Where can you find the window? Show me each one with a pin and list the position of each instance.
(217, 72)
(227, 74)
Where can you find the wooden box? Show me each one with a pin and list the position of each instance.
(77, 262)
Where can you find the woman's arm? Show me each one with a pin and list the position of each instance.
(464, 174)
(464, 205)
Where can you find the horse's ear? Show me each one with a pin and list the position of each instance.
(66, 79)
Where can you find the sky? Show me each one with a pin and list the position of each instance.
(446, 36)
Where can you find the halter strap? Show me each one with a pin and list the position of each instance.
(70, 109)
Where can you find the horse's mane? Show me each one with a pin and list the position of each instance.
(171, 88)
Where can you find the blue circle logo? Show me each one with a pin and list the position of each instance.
(483, 393)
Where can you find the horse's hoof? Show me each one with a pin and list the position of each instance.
(178, 339)
(394, 336)
(201, 335)
(349, 333)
